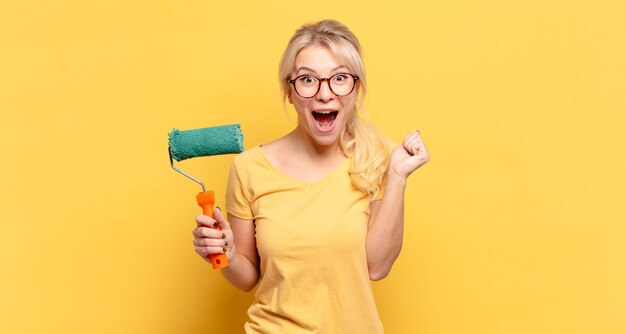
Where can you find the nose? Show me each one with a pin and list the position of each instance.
(325, 94)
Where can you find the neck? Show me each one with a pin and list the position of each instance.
(308, 147)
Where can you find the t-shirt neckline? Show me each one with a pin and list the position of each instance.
(283, 175)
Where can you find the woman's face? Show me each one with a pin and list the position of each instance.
(324, 115)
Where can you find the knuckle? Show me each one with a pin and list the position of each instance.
(202, 219)
(200, 232)
(199, 250)
(206, 233)
(198, 242)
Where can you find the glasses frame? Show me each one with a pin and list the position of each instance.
(319, 84)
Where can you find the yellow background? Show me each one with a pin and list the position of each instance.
(517, 225)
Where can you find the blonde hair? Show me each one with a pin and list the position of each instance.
(359, 140)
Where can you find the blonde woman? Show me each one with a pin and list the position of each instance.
(315, 215)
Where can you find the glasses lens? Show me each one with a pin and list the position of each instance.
(306, 85)
(342, 84)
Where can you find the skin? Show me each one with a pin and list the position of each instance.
(312, 154)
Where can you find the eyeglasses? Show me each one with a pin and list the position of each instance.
(307, 85)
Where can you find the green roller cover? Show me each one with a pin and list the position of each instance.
(215, 140)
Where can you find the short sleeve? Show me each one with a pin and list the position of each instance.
(237, 203)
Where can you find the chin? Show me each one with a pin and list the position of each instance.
(327, 134)
(326, 140)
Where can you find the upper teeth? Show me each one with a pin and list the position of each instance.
(324, 112)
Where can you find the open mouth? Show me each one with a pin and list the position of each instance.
(325, 119)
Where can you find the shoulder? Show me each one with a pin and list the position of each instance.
(279, 152)
(244, 165)
(261, 157)
(275, 150)
(251, 164)
(247, 157)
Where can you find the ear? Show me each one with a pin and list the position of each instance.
(289, 96)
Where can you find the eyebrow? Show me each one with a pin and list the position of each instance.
(312, 70)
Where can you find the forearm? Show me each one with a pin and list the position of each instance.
(241, 272)
(385, 232)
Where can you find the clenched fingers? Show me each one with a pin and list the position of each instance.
(202, 220)
(206, 232)
(413, 143)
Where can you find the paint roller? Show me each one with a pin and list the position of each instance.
(185, 144)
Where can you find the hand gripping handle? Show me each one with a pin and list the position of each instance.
(205, 201)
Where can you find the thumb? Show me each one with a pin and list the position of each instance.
(219, 216)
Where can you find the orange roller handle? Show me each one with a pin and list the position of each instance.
(205, 201)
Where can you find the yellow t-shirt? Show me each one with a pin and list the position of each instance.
(311, 242)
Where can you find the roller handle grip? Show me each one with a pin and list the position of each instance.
(205, 201)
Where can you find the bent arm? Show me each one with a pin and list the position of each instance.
(385, 229)
(243, 269)
(386, 223)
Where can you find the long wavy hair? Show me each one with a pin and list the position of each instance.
(359, 140)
